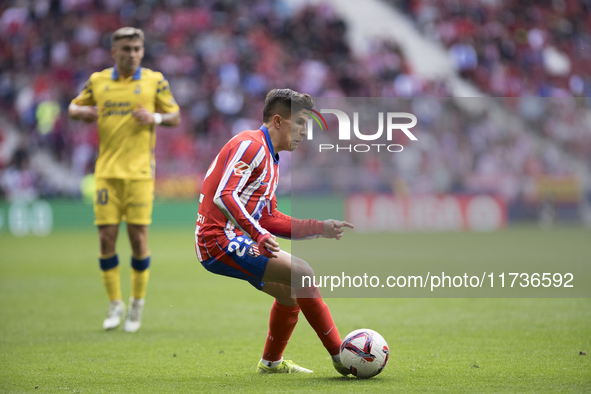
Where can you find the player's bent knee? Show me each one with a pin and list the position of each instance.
(285, 296)
(302, 274)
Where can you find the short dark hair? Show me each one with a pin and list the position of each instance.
(126, 32)
(281, 101)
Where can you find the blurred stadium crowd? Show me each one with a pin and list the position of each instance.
(513, 48)
(459, 150)
(222, 56)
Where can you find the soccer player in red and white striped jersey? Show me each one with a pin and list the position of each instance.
(238, 221)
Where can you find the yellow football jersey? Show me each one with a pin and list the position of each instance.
(126, 150)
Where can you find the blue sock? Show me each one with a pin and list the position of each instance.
(111, 262)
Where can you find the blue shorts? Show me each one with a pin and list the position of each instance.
(241, 260)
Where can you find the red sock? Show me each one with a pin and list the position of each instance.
(281, 324)
(318, 315)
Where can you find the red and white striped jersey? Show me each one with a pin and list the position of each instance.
(238, 197)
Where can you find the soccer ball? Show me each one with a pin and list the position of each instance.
(364, 353)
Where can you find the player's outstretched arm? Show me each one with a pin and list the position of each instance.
(144, 117)
(85, 113)
(335, 228)
(285, 226)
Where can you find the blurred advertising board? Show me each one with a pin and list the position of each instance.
(386, 212)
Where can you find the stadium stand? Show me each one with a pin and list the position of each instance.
(215, 57)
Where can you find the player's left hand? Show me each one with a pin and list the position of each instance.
(143, 116)
(335, 228)
(268, 246)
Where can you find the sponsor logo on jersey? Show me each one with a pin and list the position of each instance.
(240, 168)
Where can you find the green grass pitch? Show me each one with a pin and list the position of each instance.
(203, 332)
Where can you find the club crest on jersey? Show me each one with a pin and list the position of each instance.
(240, 168)
(252, 252)
(137, 89)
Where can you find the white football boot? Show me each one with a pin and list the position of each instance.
(134, 316)
(286, 366)
(116, 310)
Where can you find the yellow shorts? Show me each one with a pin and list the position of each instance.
(130, 200)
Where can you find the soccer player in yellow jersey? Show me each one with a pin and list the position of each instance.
(127, 101)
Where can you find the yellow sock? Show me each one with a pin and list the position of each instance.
(112, 283)
(139, 283)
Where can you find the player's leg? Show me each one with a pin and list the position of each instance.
(140, 259)
(240, 260)
(108, 215)
(140, 274)
(288, 270)
(291, 269)
(138, 214)
(282, 321)
(109, 261)
(318, 315)
(282, 294)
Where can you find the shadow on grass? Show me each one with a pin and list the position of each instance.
(347, 380)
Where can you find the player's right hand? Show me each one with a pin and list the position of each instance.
(143, 116)
(267, 245)
(335, 228)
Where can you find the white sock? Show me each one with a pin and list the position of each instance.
(336, 358)
(271, 364)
